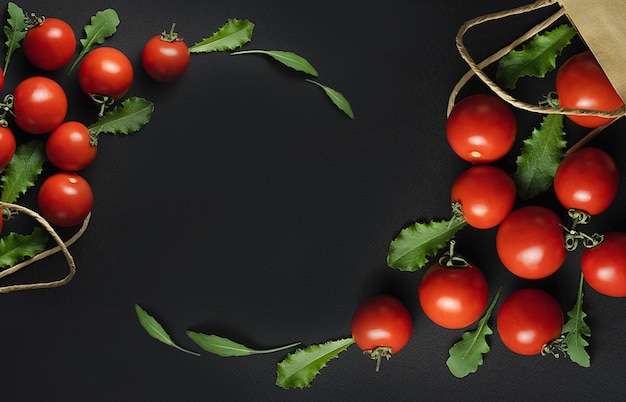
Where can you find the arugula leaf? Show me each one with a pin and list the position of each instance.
(231, 35)
(337, 98)
(298, 369)
(14, 31)
(157, 331)
(289, 59)
(541, 154)
(226, 348)
(467, 354)
(536, 58)
(410, 250)
(14, 248)
(103, 25)
(574, 330)
(23, 169)
(128, 117)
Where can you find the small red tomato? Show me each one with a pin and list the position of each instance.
(65, 199)
(39, 105)
(7, 146)
(486, 195)
(165, 57)
(604, 266)
(50, 45)
(105, 72)
(69, 147)
(481, 128)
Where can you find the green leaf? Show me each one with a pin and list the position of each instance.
(103, 25)
(14, 31)
(536, 58)
(338, 99)
(157, 331)
(298, 369)
(227, 348)
(289, 59)
(541, 154)
(574, 330)
(14, 248)
(128, 117)
(23, 169)
(410, 250)
(230, 36)
(467, 354)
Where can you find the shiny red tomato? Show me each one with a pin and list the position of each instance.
(50, 45)
(39, 105)
(486, 195)
(530, 242)
(105, 72)
(604, 266)
(7, 146)
(165, 57)
(582, 84)
(453, 297)
(587, 180)
(69, 147)
(65, 199)
(528, 320)
(481, 128)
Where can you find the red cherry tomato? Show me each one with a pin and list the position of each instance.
(530, 242)
(486, 195)
(105, 72)
(69, 147)
(165, 57)
(604, 266)
(481, 128)
(453, 297)
(528, 320)
(40, 105)
(50, 45)
(587, 180)
(7, 146)
(65, 199)
(582, 84)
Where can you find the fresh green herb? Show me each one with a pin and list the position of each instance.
(230, 36)
(337, 98)
(575, 329)
(128, 117)
(298, 369)
(15, 32)
(14, 248)
(103, 25)
(289, 59)
(157, 331)
(227, 348)
(23, 169)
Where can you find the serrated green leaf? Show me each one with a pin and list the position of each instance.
(156, 330)
(541, 154)
(410, 250)
(14, 248)
(574, 330)
(23, 169)
(289, 59)
(15, 31)
(536, 58)
(337, 98)
(230, 36)
(103, 25)
(226, 348)
(128, 117)
(298, 369)
(467, 354)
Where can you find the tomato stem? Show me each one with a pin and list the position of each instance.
(555, 348)
(573, 236)
(172, 36)
(450, 259)
(103, 101)
(6, 107)
(378, 353)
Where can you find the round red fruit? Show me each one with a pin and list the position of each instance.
(105, 72)
(65, 199)
(50, 45)
(40, 105)
(165, 57)
(69, 147)
(604, 266)
(7, 146)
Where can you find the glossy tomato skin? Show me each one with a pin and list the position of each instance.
(528, 319)
(587, 180)
(453, 297)
(381, 321)
(50, 45)
(486, 195)
(65, 199)
(481, 128)
(165, 59)
(7, 146)
(582, 84)
(604, 266)
(40, 105)
(530, 242)
(105, 71)
(69, 147)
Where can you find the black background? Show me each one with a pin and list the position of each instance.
(252, 208)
